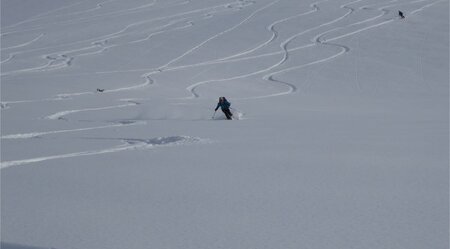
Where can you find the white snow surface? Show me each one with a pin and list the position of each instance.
(340, 138)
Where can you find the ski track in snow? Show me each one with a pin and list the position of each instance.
(270, 77)
(40, 16)
(40, 134)
(127, 144)
(219, 34)
(60, 115)
(122, 31)
(82, 20)
(53, 61)
(318, 40)
(62, 59)
(24, 44)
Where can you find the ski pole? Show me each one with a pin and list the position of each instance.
(214, 114)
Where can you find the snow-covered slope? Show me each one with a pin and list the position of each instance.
(340, 137)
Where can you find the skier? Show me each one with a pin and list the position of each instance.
(225, 106)
(401, 14)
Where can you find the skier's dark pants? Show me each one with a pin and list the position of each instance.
(227, 112)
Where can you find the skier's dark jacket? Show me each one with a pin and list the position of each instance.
(223, 105)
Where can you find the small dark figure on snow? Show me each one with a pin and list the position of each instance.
(225, 106)
(400, 14)
(100, 90)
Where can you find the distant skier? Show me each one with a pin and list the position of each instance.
(225, 106)
(400, 14)
(100, 90)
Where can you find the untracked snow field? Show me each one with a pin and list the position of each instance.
(340, 137)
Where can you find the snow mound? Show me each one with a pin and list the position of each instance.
(162, 141)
